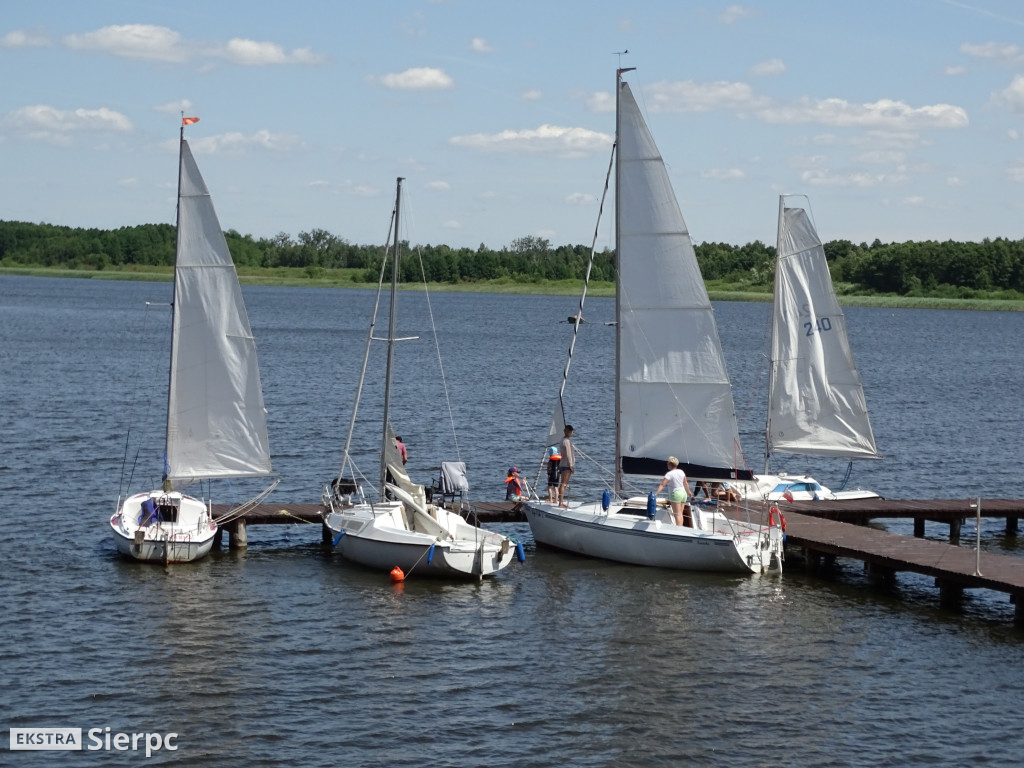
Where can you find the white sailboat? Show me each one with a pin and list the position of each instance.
(402, 529)
(672, 392)
(216, 421)
(816, 404)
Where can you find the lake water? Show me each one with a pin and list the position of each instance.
(282, 654)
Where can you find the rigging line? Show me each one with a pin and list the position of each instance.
(345, 459)
(586, 279)
(437, 347)
(134, 405)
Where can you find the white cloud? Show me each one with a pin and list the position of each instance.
(452, 224)
(1013, 94)
(954, 70)
(734, 13)
(882, 157)
(884, 113)
(768, 68)
(1015, 172)
(132, 41)
(1002, 53)
(19, 38)
(418, 79)
(46, 123)
(440, 186)
(236, 141)
(252, 52)
(914, 200)
(532, 95)
(723, 174)
(547, 139)
(580, 198)
(479, 45)
(689, 96)
(827, 178)
(149, 42)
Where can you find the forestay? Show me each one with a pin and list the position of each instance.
(816, 400)
(216, 422)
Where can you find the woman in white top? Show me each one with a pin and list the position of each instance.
(678, 490)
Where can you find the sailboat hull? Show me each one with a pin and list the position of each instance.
(624, 534)
(384, 536)
(179, 531)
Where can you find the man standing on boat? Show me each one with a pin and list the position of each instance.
(402, 450)
(566, 465)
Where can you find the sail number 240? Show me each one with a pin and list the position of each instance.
(820, 325)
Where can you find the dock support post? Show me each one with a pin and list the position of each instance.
(1011, 526)
(238, 537)
(1018, 610)
(218, 537)
(919, 527)
(954, 529)
(950, 595)
(325, 534)
(881, 575)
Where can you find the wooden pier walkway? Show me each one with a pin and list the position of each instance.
(818, 529)
(953, 568)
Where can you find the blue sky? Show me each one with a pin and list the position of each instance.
(900, 119)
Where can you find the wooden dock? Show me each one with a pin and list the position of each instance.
(884, 554)
(817, 530)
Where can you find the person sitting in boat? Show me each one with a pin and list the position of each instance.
(514, 486)
(724, 492)
(553, 458)
(676, 481)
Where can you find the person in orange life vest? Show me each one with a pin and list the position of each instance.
(513, 485)
(402, 450)
(553, 458)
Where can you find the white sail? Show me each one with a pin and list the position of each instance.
(674, 394)
(216, 422)
(816, 400)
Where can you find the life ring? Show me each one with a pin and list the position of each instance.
(771, 518)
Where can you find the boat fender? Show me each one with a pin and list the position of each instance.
(771, 518)
(652, 506)
(606, 499)
(338, 537)
(397, 574)
(520, 554)
(430, 555)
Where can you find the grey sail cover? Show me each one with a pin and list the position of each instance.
(216, 421)
(816, 400)
(675, 397)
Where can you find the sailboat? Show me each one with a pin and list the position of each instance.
(401, 529)
(672, 393)
(816, 404)
(216, 421)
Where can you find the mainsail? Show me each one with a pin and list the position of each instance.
(216, 422)
(674, 395)
(816, 402)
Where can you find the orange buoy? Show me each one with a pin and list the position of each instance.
(397, 574)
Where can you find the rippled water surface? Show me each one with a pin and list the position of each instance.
(284, 655)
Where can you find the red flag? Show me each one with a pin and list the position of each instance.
(189, 120)
(787, 495)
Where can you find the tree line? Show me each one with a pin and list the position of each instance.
(929, 268)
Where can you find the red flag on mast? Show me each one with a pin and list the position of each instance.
(189, 120)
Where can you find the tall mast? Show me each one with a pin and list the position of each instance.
(618, 277)
(772, 362)
(174, 310)
(395, 262)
